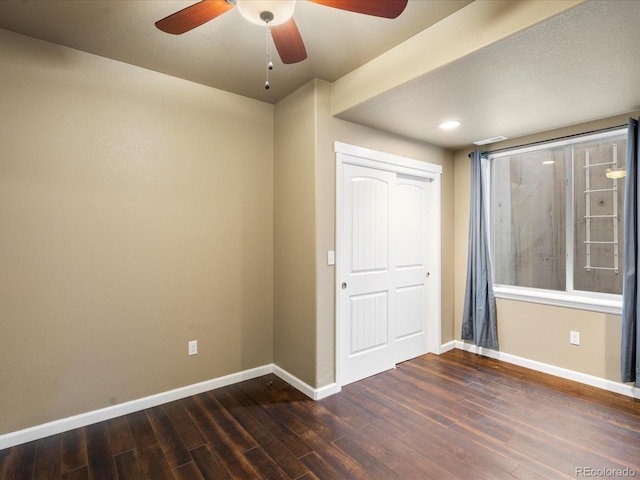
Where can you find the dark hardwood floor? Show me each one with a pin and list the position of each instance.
(454, 416)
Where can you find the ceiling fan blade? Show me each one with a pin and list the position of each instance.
(193, 16)
(377, 8)
(289, 42)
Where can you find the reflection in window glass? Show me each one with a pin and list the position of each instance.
(598, 208)
(530, 191)
(529, 219)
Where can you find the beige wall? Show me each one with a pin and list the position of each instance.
(535, 331)
(292, 127)
(294, 235)
(135, 215)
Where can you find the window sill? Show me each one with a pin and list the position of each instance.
(610, 304)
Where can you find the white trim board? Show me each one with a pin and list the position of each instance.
(11, 439)
(65, 424)
(309, 391)
(387, 161)
(609, 385)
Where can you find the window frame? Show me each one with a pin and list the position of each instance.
(569, 298)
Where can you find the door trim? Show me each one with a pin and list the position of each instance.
(352, 154)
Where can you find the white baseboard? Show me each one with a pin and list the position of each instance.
(611, 386)
(309, 391)
(448, 346)
(58, 426)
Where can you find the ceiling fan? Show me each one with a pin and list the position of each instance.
(277, 15)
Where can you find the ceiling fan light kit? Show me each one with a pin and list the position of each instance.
(273, 12)
(277, 15)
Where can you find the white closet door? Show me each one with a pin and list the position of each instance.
(410, 228)
(382, 271)
(366, 283)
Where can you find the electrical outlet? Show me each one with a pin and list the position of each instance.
(574, 338)
(193, 347)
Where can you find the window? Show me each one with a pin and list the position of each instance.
(557, 220)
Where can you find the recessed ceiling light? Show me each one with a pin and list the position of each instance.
(450, 124)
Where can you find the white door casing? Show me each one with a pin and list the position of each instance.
(387, 261)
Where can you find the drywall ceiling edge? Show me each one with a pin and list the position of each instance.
(471, 28)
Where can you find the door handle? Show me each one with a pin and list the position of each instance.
(344, 285)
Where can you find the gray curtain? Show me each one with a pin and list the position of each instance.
(479, 314)
(630, 363)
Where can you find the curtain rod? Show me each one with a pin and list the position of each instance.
(551, 140)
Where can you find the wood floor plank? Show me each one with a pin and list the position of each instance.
(350, 412)
(19, 464)
(208, 464)
(81, 473)
(188, 471)
(410, 463)
(4, 461)
(445, 449)
(224, 422)
(558, 442)
(283, 433)
(265, 465)
(149, 453)
(141, 431)
(402, 393)
(290, 464)
(154, 464)
(101, 463)
(569, 426)
(48, 458)
(120, 437)
(392, 411)
(182, 422)
(523, 473)
(453, 457)
(308, 476)
(320, 467)
(370, 463)
(498, 447)
(298, 416)
(74, 450)
(128, 467)
(453, 416)
(340, 461)
(220, 442)
(174, 450)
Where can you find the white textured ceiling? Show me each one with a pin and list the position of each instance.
(577, 66)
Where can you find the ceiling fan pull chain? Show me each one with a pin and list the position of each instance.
(269, 62)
